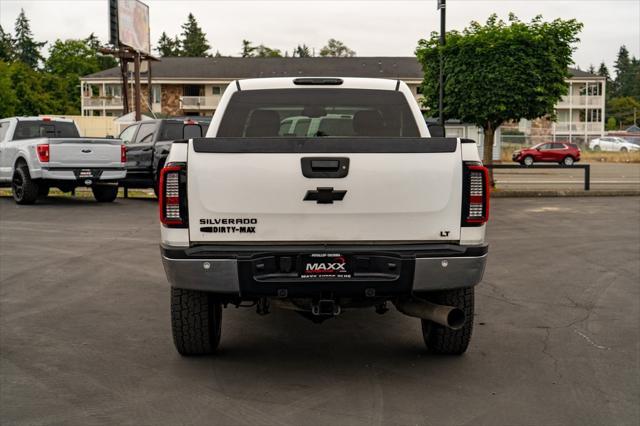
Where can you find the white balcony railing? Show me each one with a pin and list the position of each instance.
(581, 101)
(199, 102)
(578, 127)
(102, 102)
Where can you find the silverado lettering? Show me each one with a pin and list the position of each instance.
(228, 221)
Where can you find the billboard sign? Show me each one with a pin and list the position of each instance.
(132, 24)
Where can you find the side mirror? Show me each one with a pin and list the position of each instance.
(436, 130)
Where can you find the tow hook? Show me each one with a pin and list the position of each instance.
(325, 307)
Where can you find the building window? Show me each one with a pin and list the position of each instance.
(591, 116)
(594, 89)
(419, 90)
(562, 115)
(193, 90)
(156, 94)
(113, 90)
(216, 90)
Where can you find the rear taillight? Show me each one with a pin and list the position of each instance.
(475, 198)
(123, 154)
(172, 195)
(43, 152)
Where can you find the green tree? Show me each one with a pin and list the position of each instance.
(499, 71)
(38, 92)
(26, 48)
(263, 51)
(336, 48)
(6, 46)
(8, 98)
(627, 81)
(603, 71)
(69, 60)
(302, 51)
(168, 46)
(104, 61)
(623, 109)
(71, 57)
(612, 124)
(248, 49)
(194, 40)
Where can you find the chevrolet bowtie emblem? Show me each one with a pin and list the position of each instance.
(324, 195)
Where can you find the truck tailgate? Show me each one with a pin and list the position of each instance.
(83, 152)
(410, 191)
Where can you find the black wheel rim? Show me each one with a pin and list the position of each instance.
(18, 186)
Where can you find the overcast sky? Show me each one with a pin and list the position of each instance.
(371, 28)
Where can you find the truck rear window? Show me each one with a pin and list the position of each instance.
(318, 113)
(45, 129)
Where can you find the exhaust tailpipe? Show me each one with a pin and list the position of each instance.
(449, 316)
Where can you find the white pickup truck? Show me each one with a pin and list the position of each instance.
(321, 195)
(37, 153)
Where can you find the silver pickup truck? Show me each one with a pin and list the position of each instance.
(37, 153)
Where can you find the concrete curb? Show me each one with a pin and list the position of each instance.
(567, 193)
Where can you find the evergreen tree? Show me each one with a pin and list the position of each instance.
(6, 46)
(248, 50)
(168, 46)
(591, 69)
(627, 82)
(603, 71)
(302, 51)
(194, 40)
(26, 48)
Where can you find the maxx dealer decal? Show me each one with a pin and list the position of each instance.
(229, 225)
(325, 265)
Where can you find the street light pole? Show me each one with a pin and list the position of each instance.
(442, 6)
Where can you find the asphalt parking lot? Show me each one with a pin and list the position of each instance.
(85, 338)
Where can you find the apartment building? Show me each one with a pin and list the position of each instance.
(193, 86)
(580, 114)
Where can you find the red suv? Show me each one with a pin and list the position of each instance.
(549, 152)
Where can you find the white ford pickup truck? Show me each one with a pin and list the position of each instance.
(37, 153)
(321, 195)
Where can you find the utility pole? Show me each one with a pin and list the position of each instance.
(138, 98)
(442, 6)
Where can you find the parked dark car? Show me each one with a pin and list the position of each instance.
(549, 152)
(148, 144)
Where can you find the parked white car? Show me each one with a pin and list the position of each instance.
(612, 143)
